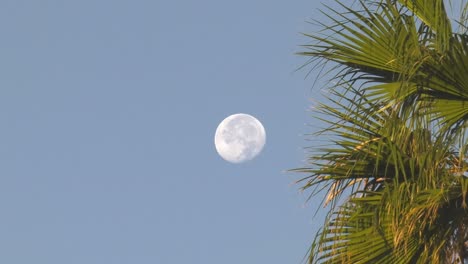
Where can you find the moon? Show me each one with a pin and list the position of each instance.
(239, 138)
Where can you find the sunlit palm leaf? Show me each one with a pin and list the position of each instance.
(432, 13)
(401, 180)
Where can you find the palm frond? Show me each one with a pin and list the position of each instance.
(397, 117)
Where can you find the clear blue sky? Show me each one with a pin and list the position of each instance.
(107, 116)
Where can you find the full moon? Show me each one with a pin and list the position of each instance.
(239, 137)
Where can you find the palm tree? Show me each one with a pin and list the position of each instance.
(398, 118)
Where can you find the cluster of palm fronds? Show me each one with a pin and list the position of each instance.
(398, 118)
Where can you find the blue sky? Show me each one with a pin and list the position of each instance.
(108, 111)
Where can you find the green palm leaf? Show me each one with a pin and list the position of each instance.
(396, 50)
(397, 116)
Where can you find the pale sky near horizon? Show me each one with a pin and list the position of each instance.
(108, 111)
